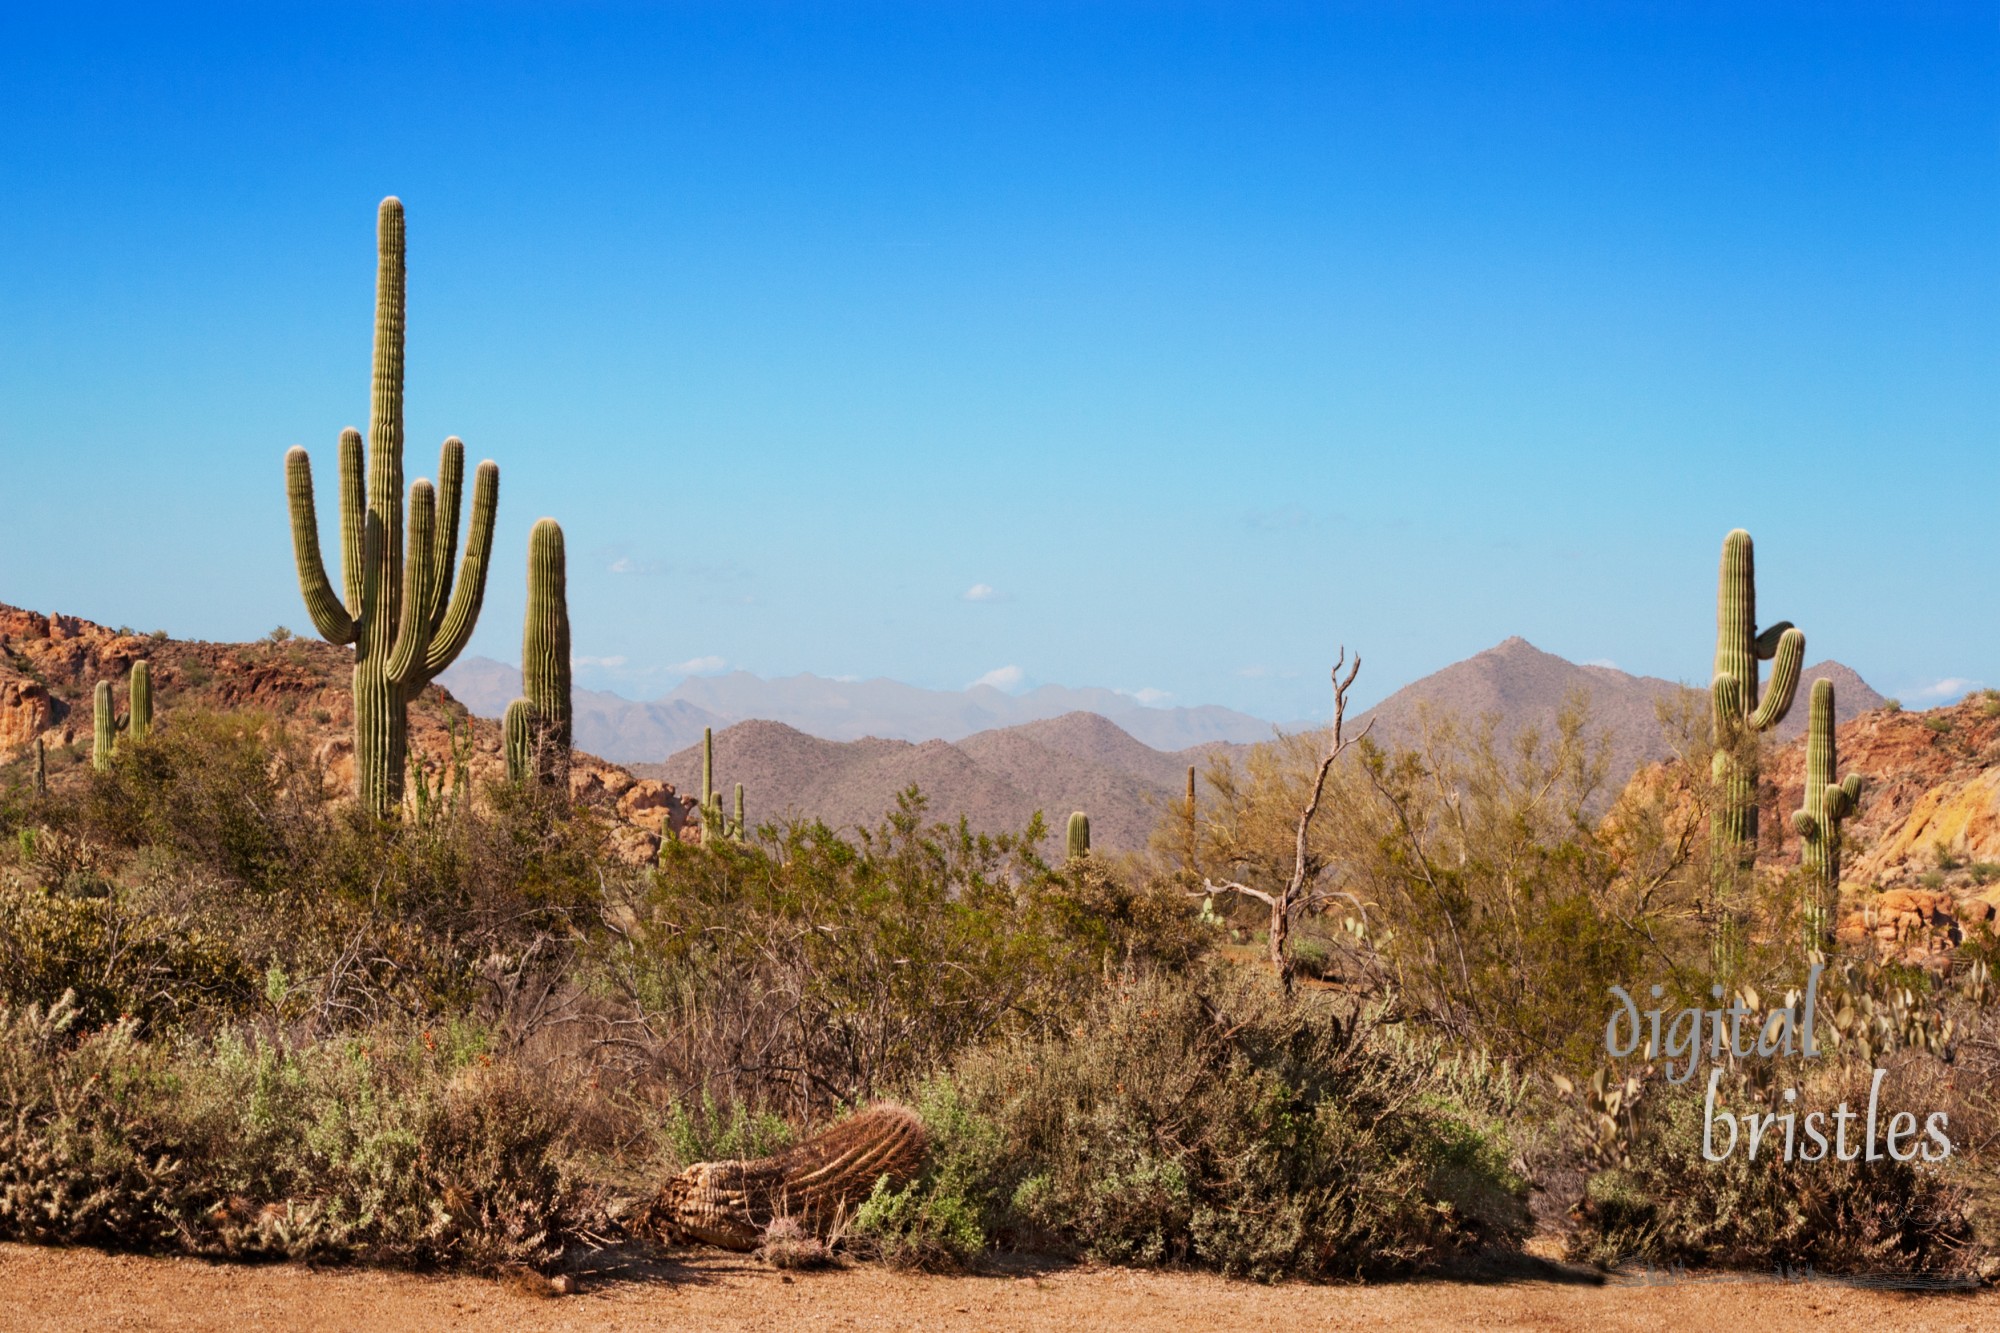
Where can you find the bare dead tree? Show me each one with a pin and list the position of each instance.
(1299, 892)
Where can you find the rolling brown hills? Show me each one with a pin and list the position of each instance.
(997, 779)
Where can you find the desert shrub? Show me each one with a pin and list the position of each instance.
(1219, 1125)
(116, 960)
(1666, 1204)
(381, 1147)
(804, 972)
(1892, 706)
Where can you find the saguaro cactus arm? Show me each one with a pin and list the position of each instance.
(419, 575)
(462, 611)
(1788, 657)
(334, 621)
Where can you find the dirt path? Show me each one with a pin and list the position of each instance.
(63, 1290)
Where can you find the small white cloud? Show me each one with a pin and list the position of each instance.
(980, 592)
(1149, 696)
(625, 564)
(1951, 687)
(1005, 679)
(846, 680)
(700, 666)
(1605, 662)
(1253, 672)
(1283, 518)
(615, 661)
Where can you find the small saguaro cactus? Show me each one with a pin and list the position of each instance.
(1738, 711)
(740, 826)
(711, 800)
(104, 727)
(41, 768)
(543, 718)
(141, 706)
(1079, 835)
(1827, 804)
(518, 728)
(402, 611)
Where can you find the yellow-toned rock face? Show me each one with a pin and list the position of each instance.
(1961, 815)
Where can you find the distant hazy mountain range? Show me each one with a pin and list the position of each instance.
(629, 732)
(840, 751)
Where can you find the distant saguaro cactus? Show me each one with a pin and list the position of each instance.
(402, 611)
(103, 727)
(1738, 712)
(41, 768)
(1827, 804)
(711, 800)
(543, 718)
(1079, 835)
(740, 834)
(141, 706)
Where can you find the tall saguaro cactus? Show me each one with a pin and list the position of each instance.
(741, 828)
(539, 724)
(1739, 712)
(141, 705)
(402, 610)
(1079, 835)
(1827, 804)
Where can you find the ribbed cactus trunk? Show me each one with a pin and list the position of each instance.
(103, 727)
(1738, 712)
(41, 768)
(1827, 805)
(540, 724)
(403, 612)
(741, 827)
(711, 803)
(1740, 716)
(1079, 835)
(1191, 829)
(141, 705)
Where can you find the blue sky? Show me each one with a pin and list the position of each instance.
(1204, 337)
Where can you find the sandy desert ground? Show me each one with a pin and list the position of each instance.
(64, 1290)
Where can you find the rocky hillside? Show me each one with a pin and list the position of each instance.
(50, 666)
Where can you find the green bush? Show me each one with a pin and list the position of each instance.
(1208, 1122)
(941, 1220)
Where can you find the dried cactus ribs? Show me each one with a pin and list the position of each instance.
(728, 1204)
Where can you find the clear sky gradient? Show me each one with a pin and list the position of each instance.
(1202, 338)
